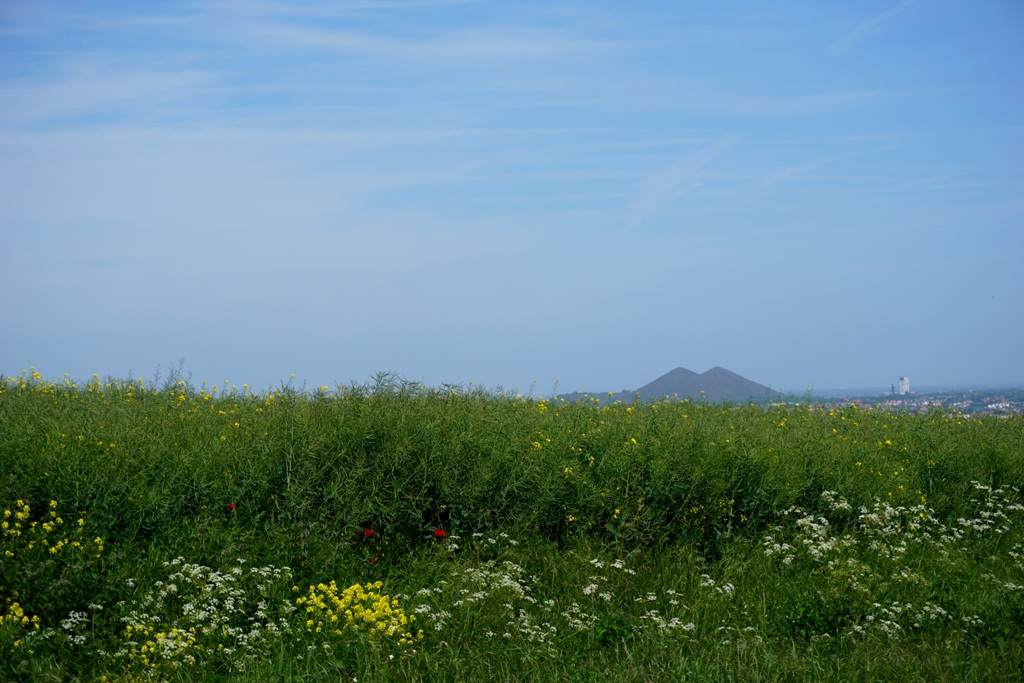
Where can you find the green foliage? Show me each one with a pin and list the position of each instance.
(529, 539)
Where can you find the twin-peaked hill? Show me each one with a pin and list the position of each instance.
(717, 384)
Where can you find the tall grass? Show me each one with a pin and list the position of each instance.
(526, 538)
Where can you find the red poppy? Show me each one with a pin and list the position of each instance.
(440, 533)
(231, 507)
(368, 533)
(373, 560)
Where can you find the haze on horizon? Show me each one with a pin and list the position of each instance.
(586, 194)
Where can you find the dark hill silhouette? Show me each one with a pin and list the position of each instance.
(717, 384)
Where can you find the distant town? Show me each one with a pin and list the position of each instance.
(1006, 401)
(721, 385)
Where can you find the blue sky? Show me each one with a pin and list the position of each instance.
(515, 194)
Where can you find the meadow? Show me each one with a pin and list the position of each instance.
(163, 530)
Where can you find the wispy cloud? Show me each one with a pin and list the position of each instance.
(460, 45)
(869, 28)
(697, 96)
(743, 104)
(679, 178)
(94, 87)
(322, 9)
(818, 163)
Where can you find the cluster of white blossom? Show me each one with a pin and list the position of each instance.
(874, 554)
(673, 624)
(726, 589)
(237, 614)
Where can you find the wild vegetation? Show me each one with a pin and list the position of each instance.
(166, 531)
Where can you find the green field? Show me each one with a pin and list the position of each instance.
(167, 531)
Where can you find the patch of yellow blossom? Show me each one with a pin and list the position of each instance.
(358, 608)
(47, 532)
(160, 651)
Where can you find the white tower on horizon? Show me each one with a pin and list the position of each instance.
(904, 386)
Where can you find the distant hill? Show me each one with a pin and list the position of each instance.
(717, 384)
